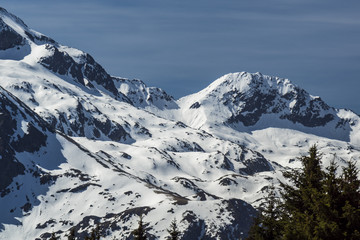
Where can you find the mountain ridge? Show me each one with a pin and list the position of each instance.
(247, 101)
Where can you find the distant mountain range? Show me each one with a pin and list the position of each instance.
(80, 147)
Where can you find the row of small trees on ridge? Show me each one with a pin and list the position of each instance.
(139, 233)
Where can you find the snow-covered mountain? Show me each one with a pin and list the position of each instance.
(80, 147)
(246, 101)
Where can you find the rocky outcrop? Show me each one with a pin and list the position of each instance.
(19, 133)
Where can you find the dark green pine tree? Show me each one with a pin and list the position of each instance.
(301, 197)
(95, 234)
(71, 235)
(53, 236)
(313, 174)
(328, 208)
(350, 196)
(92, 235)
(139, 233)
(268, 224)
(316, 204)
(173, 231)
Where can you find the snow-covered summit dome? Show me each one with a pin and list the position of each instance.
(245, 100)
(249, 82)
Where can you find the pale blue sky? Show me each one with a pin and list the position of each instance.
(182, 46)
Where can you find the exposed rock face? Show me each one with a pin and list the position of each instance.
(271, 95)
(95, 72)
(62, 63)
(9, 38)
(18, 133)
(241, 212)
(142, 96)
(85, 120)
(252, 96)
(83, 69)
(9, 166)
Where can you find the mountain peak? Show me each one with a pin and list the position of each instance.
(244, 100)
(16, 37)
(4, 14)
(11, 31)
(245, 81)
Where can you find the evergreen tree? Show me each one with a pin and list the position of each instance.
(173, 231)
(267, 225)
(329, 206)
(92, 235)
(350, 196)
(71, 235)
(53, 236)
(301, 198)
(95, 233)
(139, 233)
(316, 204)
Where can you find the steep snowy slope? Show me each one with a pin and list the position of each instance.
(16, 37)
(80, 147)
(55, 183)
